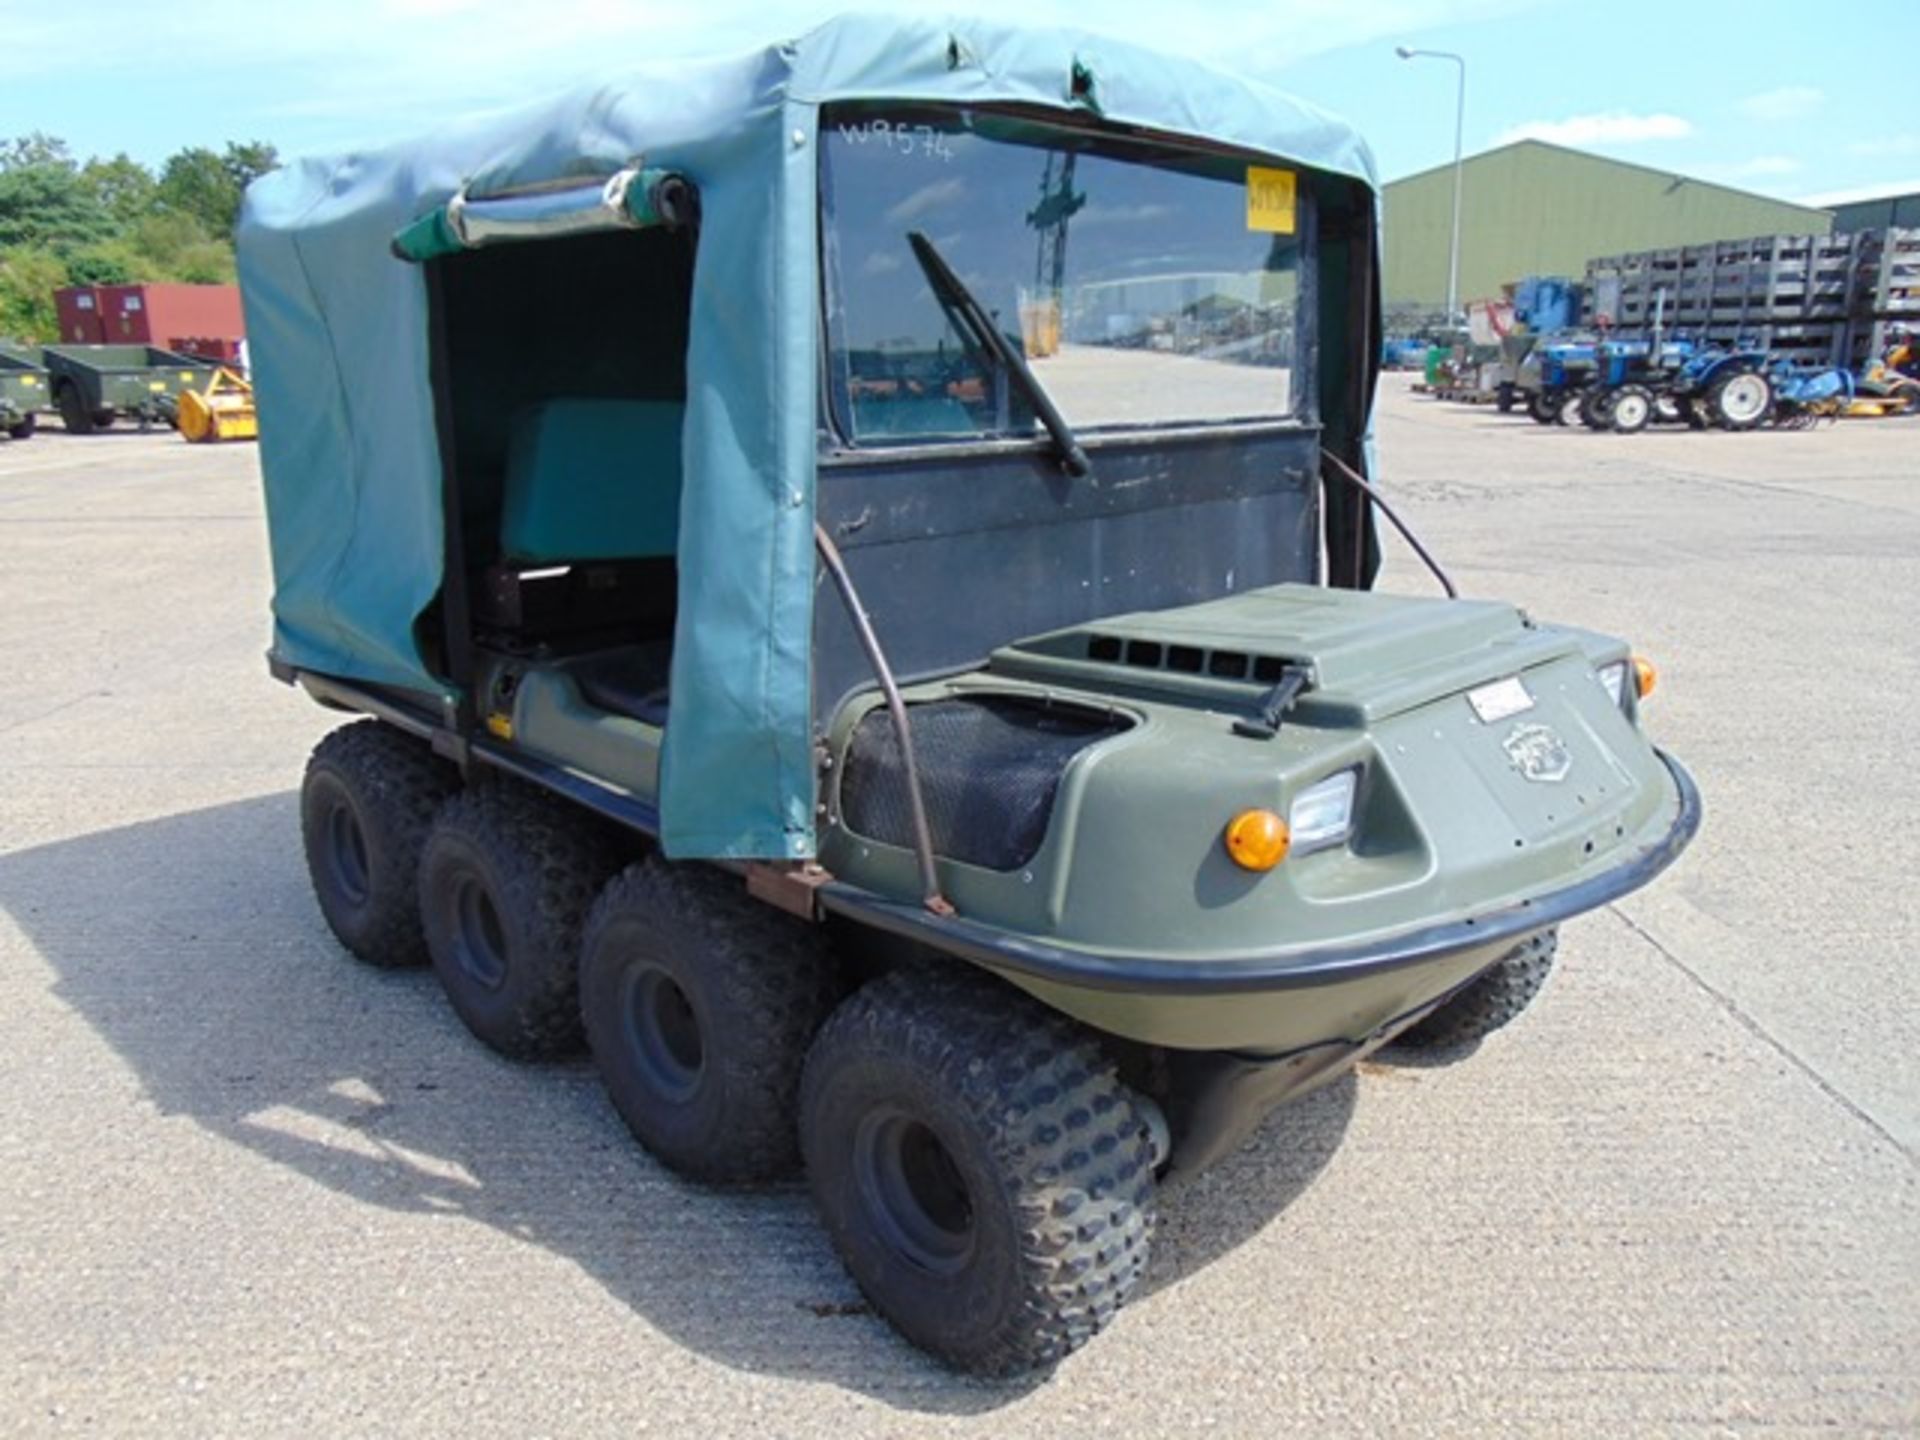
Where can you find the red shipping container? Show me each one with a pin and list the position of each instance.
(155, 314)
(79, 311)
(205, 347)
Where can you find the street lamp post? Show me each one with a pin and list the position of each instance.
(1459, 130)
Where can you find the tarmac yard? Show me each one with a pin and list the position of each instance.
(250, 1188)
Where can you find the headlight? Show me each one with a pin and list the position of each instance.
(1322, 814)
(1614, 678)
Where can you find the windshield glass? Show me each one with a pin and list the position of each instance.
(1144, 285)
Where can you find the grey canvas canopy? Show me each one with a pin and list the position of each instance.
(337, 319)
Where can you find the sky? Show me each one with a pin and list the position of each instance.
(1766, 95)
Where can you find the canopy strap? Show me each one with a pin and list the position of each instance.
(630, 199)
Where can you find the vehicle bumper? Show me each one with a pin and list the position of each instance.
(1281, 1000)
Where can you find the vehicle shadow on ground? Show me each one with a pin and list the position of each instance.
(192, 946)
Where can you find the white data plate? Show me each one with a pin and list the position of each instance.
(1499, 700)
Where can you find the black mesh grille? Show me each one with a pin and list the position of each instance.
(988, 767)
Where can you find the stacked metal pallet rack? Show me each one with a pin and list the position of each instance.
(1821, 299)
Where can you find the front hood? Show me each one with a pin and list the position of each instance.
(1368, 656)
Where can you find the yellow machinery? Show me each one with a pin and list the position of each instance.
(221, 411)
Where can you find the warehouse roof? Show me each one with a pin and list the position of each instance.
(1673, 175)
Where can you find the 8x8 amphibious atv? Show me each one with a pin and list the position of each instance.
(854, 562)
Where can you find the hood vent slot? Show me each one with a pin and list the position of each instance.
(1186, 659)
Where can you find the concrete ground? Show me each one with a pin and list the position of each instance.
(249, 1188)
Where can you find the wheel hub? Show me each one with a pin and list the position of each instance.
(479, 939)
(913, 1192)
(664, 1032)
(346, 851)
(1744, 398)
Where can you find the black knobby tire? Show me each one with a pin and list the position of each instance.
(700, 1004)
(1596, 408)
(1544, 406)
(23, 428)
(984, 1174)
(1495, 998)
(366, 804)
(506, 880)
(74, 413)
(103, 418)
(1631, 410)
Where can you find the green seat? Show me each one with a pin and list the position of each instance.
(592, 480)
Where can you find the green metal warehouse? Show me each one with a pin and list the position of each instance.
(1531, 208)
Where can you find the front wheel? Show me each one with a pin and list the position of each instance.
(1596, 408)
(982, 1171)
(1544, 406)
(1491, 1000)
(22, 429)
(1632, 409)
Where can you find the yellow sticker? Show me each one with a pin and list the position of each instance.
(156, 385)
(1270, 200)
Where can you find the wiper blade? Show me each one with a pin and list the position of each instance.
(961, 302)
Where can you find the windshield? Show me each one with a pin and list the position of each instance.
(1144, 285)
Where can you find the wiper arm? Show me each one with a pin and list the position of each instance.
(960, 301)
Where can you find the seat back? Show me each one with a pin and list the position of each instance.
(589, 480)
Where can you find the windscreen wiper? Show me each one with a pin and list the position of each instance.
(960, 301)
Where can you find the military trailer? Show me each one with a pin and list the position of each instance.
(94, 385)
(854, 564)
(23, 390)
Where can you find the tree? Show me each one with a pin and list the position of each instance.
(122, 186)
(247, 162)
(45, 204)
(208, 186)
(39, 148)
(28, 279)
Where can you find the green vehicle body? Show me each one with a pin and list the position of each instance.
(23, 390)
(1132, 917)
(1048, 671)
(93, 385)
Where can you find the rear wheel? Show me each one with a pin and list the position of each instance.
(506, 879)
(366, 804)
(74, 413)
(700, 1005)
(1741, 400)
(1494, 999)
(1632, 409)
(22, 429)
(982, 1171)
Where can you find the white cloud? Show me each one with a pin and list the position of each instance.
(1613, 127)
(1789, 102)
(935, 196)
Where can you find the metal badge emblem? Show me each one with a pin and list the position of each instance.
(1538, 753)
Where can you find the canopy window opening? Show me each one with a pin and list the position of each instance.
(565, 366)
(1145, 285)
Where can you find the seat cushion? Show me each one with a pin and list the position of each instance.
(592, 480)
